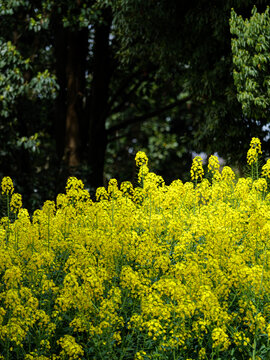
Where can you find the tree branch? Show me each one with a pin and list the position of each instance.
(122, 87)
(147, 116)
(117, 108)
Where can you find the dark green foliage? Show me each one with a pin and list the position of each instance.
(250, 48)
(86, 84)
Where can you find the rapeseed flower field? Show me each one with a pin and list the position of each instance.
(179, 271)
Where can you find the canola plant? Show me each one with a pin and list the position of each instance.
(179, 271)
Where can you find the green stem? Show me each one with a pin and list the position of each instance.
(112, 212)
(48, 231)
(8, 215)
(257, 170)
(257, 310)
(150, 211)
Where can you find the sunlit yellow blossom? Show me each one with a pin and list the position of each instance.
(213, 164)
(152, 181)
(7, 185)
(220, 339)
(227, 174)
(142, 272)
(117, 338)
(127, 188)
(49, 207)
(252, 156)
(266, 169)
(202, 354)
(138, 195)
(12, 276)
(70, 348)
(74, 183)
(255, 143)
(260, 185)
(254, 151)
(141, 158)
(61, 200)
(16, 202)
(101, 193)
(144, 170)
(213, 167)
(196, 170)
(113, 188)
(241, 339)
(75, 193)
(24, 214)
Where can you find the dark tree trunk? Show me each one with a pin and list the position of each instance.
(60, 48)
(77, 47)
(98, 102)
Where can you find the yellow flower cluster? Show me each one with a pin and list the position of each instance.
(220, 339)
(70, 347)
(196, 170)
(127, 189)
(113, 188)
(266, 169)
(213, 164)
(7, 185)
(101, 194)
(143, 171)
(16, 202)
(254, 151)
(151, 272)
(141, 158)
(260, 185)
(241, 339)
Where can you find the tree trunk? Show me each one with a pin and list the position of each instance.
(77, 47)
(98, 102)
(60, 53)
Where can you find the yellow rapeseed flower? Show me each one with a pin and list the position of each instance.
(127, 189)
(7, 185)
(213, 164)
(161, 263)
(220, 339)
(113, 190)
(260, 185)
(141, 158)
(144, 170)
(266, 169)
(101, 193)
(16, 202)
(196, 170)
(254, 151)
(227, 174)
(70, 348)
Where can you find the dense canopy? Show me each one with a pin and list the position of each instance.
(85, 84)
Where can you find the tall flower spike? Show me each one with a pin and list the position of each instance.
(141, 158)
(16, 202)
(196, 170)
(213, 164)
(266, 169)
(7, 185)
(254, 151)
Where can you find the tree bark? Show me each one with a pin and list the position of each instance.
(60, 53)
(98, 102)
(77, 47)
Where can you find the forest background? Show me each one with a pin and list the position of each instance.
(84, 85)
